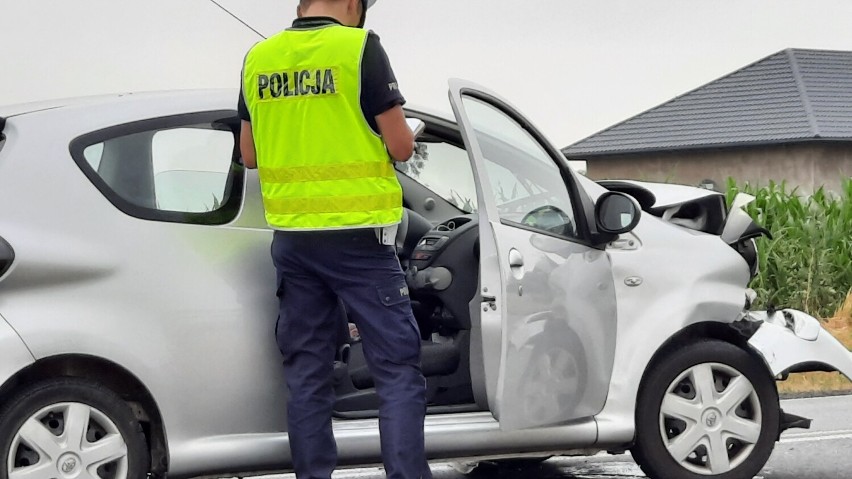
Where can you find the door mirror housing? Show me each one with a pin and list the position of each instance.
(616, 213)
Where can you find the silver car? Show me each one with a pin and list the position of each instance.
(558, 314)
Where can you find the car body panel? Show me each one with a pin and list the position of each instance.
(16, 356)
(201, 338)
(486, 327)
(537, 317)
(666, 195)
(789, 338)
(447, 436)
(86, 248)
(710, 288)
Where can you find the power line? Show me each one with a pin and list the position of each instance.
(238, 19)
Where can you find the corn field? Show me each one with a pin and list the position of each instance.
(808, 263)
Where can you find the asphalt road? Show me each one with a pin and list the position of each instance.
(821, 452)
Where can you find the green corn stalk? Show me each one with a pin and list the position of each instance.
(808, 263)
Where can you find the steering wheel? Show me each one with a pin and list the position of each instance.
(549, 218)
(411, 228)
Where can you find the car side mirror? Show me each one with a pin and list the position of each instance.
(616, 213)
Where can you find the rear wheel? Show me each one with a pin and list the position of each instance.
(709, 410)
(69, 428)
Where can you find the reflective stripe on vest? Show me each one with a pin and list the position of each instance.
(320, 164)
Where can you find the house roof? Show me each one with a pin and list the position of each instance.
(794, 95)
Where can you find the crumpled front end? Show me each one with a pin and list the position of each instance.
(794, 341)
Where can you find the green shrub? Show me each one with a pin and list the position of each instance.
(808, 263)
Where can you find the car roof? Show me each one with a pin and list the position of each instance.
(206, 98)
(156, 103)
(76, 116)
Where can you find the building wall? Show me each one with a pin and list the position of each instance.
(807, 166)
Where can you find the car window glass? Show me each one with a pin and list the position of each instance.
(526, 183)
(93, 155)
(183, 173)
(190, 167)
(445, 169)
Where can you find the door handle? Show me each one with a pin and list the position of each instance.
(516, 259)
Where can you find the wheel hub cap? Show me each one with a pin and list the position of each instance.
(68, 441)
(68, 464)
(712, 418)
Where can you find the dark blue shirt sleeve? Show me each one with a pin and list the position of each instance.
(242, 109)
(380, 90)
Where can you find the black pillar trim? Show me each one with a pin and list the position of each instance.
(7, 256)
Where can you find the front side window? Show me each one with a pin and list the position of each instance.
(170, 172)
(526, 183)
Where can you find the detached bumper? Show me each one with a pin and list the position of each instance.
(792, 340)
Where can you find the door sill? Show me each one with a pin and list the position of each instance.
(431, 410)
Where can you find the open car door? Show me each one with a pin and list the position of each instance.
(546, 304)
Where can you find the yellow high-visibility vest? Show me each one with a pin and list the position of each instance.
(320, 164)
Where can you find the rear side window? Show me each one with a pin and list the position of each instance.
(180, 169)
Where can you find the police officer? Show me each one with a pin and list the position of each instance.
(322, 121)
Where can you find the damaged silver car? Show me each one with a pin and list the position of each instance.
(557, 314)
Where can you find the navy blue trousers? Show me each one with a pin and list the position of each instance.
(314, 270)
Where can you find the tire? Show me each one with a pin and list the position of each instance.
(729, 436)
(65, 427)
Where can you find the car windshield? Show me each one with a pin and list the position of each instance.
(444, 169)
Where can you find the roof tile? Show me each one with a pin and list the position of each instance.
(793, 95)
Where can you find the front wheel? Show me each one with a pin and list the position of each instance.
(69, 428)
(709, 410)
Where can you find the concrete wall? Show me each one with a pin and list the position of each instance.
(807, 166)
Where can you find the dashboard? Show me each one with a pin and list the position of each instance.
(444, 268)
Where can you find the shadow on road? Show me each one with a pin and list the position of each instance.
(544, 470)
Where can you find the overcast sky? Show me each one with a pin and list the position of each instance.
(573, 67)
